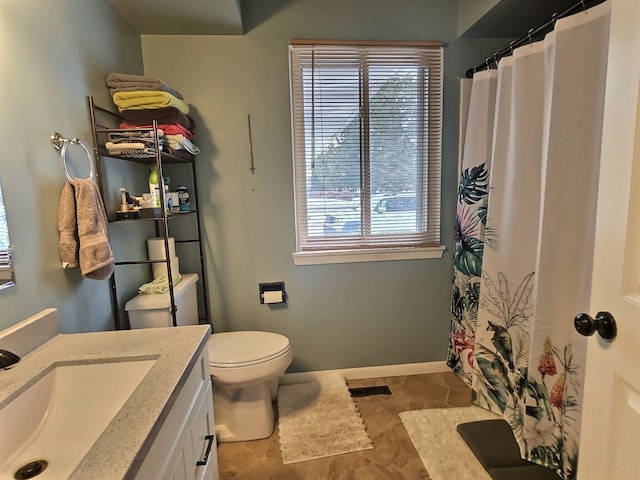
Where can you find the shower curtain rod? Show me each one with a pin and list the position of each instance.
(547, 27)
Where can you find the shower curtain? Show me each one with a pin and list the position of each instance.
(524, 245)
(470, 221)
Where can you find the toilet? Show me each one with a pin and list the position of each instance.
(245, 366)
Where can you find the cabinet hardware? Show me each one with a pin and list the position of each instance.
(208, 438)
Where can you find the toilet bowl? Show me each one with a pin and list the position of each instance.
(245, 368)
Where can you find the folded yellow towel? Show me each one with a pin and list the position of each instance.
(148, 99)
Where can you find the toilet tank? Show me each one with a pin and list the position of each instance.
(149, 310)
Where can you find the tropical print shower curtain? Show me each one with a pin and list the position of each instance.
(524, 237)
(470, 222)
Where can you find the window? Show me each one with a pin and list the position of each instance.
(367, 147)
(6, 269)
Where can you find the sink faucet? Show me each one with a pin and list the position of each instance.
(8, 358)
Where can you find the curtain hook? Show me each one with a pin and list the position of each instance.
(487, 61)
(513, 42)
(495, 59)
(554, 17)
(584, 5)
(529, 33)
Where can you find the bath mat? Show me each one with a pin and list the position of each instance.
(444, 453)
(501, 456)
(319, 419)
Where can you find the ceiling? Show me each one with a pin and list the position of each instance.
(172, 17)
(506, 19)
(514, 18)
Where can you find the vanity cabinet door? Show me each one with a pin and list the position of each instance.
(177, 467)
(194, 456)
(202, 440)
(181, 441)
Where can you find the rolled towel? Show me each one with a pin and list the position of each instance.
(127, 82)
(148, 99)
(135, 136)
(118, 147)
(95, 255)
(168, 129)
(68, 243)
(180, 142)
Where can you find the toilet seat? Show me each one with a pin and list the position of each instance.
(245, 348)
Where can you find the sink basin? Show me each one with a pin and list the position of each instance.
(59, 417)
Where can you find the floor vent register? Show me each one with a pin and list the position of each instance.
(367, 391)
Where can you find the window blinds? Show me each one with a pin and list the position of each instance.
(5, 247)
(367, 127)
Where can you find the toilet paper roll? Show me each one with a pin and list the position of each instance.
(274, 296)
(156, 251)
(161, 268)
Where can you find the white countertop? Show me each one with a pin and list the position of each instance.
(120, 450)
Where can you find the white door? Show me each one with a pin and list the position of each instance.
(609, 444)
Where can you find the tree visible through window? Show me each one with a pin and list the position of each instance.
(367, 136)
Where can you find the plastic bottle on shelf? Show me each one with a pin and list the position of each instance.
(154, 186)
(184, 199)
(168, 199)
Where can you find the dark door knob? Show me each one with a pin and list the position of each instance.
(604, 324)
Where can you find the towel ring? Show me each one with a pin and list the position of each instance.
(61, 144)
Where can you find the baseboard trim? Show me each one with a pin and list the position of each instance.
(369, 372)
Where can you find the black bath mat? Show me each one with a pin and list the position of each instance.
(492, 442)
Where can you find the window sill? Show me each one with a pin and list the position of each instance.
(366, 255)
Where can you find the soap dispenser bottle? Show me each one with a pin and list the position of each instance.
(183, 198)
(154, 186)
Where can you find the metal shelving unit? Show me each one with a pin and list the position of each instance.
(109, 123)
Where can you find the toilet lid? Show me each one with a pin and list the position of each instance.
(228, 349)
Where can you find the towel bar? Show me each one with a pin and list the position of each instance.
(60, 144)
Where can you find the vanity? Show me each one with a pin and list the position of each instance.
(120, 404)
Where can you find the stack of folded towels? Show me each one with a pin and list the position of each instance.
(140, 100)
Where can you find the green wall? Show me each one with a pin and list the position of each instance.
(470, 11)
(54, 53)
(337, 316)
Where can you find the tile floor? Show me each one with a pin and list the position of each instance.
(393, 456)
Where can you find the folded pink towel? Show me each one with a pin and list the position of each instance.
(84, 238)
